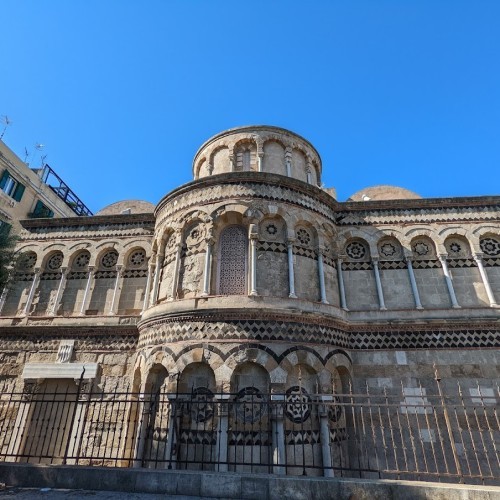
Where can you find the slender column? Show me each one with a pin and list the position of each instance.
(486, 282)
(3, 297)
(142, 429)
(340, 277)
(449, 282)
(291, 271)
(60, 290)
(324, 430)
(117, 291)
(259, 161)
(321, 272)
(19, 433)
(207, 275)
(413, 283)
(177, 265)
(168, 456)
(288, 161)
(380, 291)
(75, 438)
(278, 429)
(308, 173)
(31, 294)
(86, 294)
(156, 282)
(147, 291)
(253, 264)
(222, 428)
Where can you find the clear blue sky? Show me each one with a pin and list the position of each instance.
(122, 93)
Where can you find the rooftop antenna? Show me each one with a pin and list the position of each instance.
(6, 122)
(39, 147)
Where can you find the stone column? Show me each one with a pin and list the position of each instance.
(288, 161)
(260, 156)
(156, 281)
(60, 290)
(19, 433)
(147, 291)
(340, 278)
(169, 453)
(3, 297)
(380, 291)
(253, 261)
(31, 294)
(222, 428)
(117, 291)
(324, 430)
(207, 273)
(278, 430)
(308, 174)
(449, 281)
(321, 272)
(484, 277)
(142, 429)
(177, 265)
(86, 294)
(413, 283)
(75, 438)
(291, 271)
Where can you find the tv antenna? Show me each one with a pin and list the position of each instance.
(6, 121)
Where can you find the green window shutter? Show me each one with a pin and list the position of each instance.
(4, 178)
(18, 193)
(50, 214)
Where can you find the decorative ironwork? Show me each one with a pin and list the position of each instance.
(408, 432)
(232, 273)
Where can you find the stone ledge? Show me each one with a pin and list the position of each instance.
(233, 485)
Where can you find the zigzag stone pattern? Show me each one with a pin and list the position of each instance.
(190, 329)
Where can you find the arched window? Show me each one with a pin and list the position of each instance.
(232, 261)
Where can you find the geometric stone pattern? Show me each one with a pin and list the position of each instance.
(414, 337)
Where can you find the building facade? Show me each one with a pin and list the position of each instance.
(252, 286)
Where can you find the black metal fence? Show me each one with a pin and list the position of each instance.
(406, 433)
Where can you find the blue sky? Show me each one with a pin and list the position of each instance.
(122, 93)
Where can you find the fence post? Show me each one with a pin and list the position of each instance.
(448, 425)
(326, 452)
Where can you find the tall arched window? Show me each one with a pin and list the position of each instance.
(232, 261)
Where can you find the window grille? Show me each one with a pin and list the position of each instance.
(232, 268)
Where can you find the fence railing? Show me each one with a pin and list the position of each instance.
(381, 433)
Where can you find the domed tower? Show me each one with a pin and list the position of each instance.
(243, 295)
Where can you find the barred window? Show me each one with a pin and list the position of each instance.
(232, 261)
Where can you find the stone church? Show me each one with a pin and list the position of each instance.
(252, 285)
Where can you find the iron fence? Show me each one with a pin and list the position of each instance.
(408, 433)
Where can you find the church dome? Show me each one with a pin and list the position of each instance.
(376, 193)
(127, 207)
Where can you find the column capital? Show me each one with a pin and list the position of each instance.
(442, 256)
(291, 241)
(91, 269)
(478, 255)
